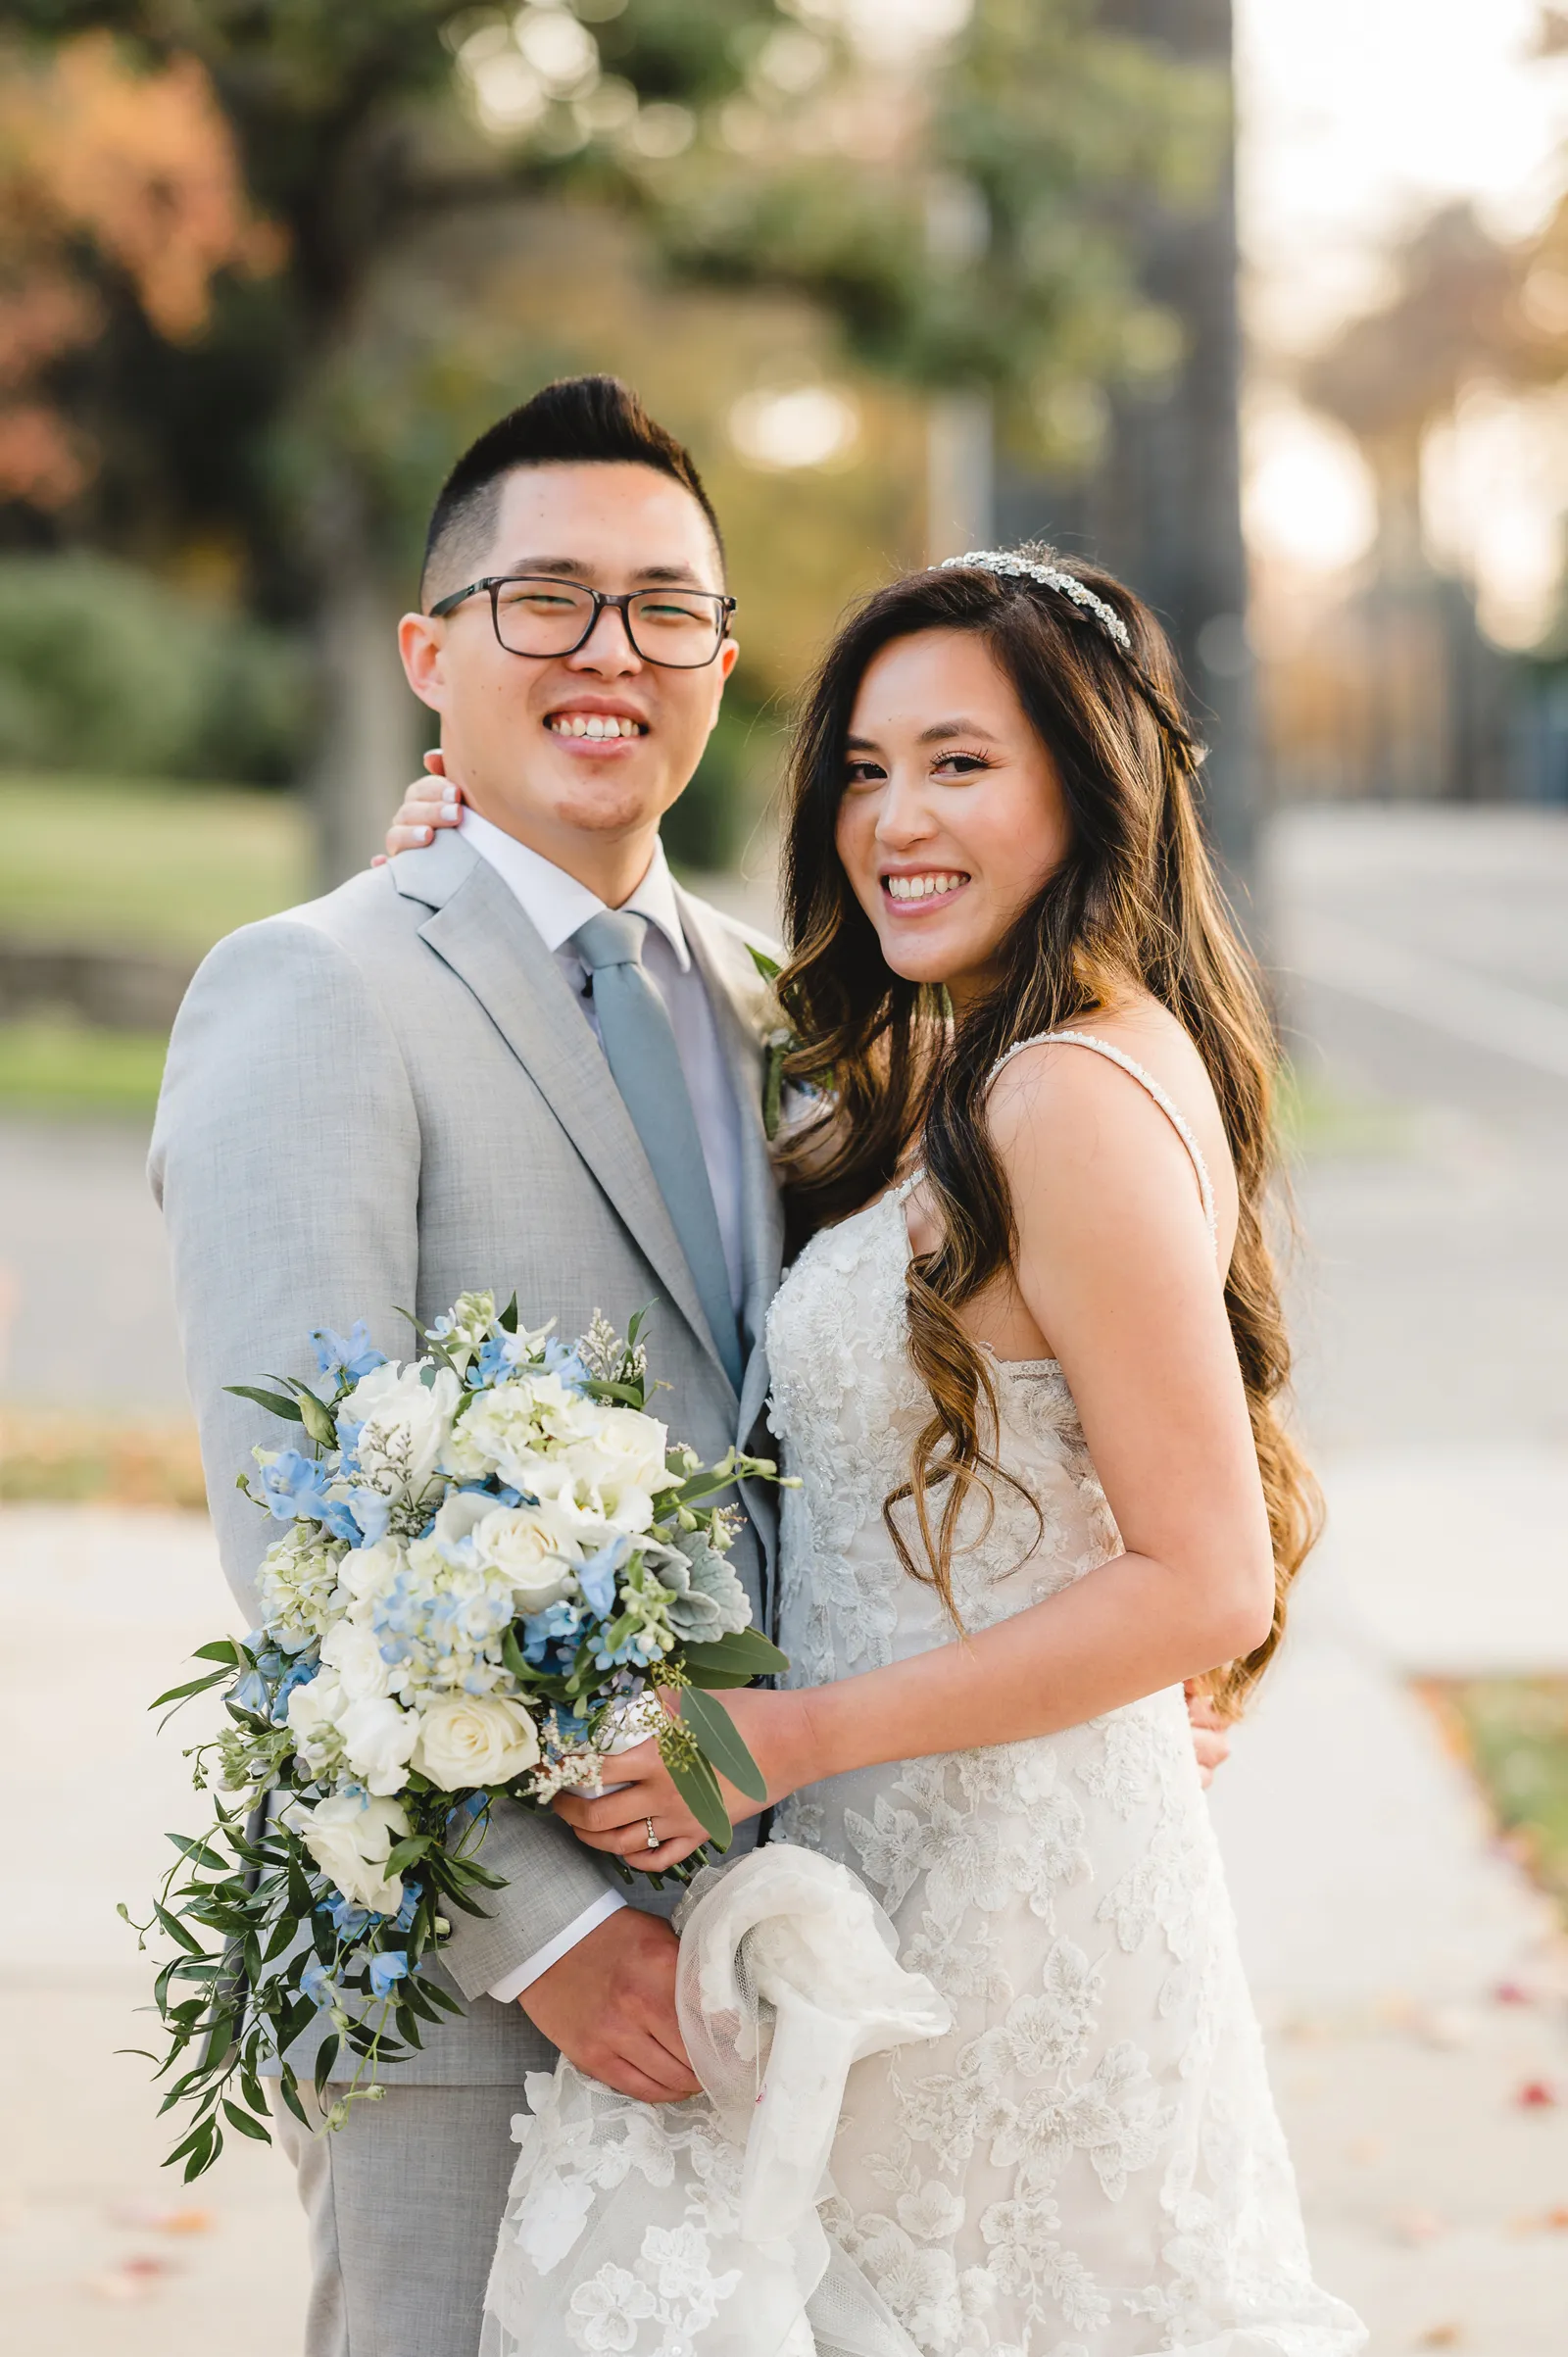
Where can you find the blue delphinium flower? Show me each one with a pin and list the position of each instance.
(318, 1984)
(353, 1355)
(346, 1919)
(413, 1892)
(298, 1673)
(293, 1485)
(561, 1359)
(372, 1512)
(552, 1635)
(250, 1693)
(597, 1577)
(387, 1965)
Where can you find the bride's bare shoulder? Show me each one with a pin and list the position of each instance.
(1056, 1080)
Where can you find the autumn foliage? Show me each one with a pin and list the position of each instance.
(105, 169)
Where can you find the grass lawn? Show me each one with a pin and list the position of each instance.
(1514, 1734)
(138, 864)
(50, 1065)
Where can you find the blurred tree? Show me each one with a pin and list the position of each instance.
(962, 208)
(142, 166)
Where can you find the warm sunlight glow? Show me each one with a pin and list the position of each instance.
(1307, 497)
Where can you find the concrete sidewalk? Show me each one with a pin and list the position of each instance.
(1412, 1982)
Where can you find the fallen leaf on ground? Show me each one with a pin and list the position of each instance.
(132, 2278)
(160, 2218)
(1440, 2337)
(1418, 2225)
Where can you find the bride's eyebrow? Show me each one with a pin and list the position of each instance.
(939, 730)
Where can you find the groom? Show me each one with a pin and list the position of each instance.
(524, 1056)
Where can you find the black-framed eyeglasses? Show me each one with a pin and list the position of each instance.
(535, 615)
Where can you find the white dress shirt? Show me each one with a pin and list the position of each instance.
(556, 904)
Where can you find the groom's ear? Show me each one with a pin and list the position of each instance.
(421, 643)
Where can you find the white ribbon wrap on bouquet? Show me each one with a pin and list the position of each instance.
(691, 2229)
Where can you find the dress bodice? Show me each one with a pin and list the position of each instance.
(847, 1409)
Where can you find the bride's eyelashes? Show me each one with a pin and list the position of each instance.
(869, 773)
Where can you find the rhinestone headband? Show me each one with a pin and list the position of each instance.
(1006, 562)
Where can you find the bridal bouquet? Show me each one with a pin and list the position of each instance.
(492, 1558)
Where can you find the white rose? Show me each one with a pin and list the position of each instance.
(458, 1515)
(350, 1839)
(405, 1425)
(355, 1656)
(524, 1547)
(378, 1740)
(468, 1740)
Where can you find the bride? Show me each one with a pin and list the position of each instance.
(1026, 1366)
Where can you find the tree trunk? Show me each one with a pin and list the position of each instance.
(373, 729)
(960, 499)
(1163, 506)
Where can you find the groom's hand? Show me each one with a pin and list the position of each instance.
(609, 2006)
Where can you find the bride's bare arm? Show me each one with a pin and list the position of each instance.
(1115, 1266)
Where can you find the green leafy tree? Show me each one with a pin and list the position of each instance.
(961, 213)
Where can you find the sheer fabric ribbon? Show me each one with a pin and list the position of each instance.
(691, 2230)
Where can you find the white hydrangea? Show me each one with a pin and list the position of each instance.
(298, 1582)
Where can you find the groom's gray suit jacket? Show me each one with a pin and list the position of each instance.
(386, 1098)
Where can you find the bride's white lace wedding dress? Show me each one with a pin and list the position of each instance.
(1089, 2164)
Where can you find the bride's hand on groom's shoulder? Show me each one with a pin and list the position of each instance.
(775, 1729)
(431, 802)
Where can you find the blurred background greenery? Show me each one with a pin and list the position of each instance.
(907, 275)
(264, 271)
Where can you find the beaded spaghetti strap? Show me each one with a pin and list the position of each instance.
(1161, 1096)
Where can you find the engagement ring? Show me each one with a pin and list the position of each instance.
(653, 1838)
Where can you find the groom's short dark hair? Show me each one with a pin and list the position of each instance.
(578, 420)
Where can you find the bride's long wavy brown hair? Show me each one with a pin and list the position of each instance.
(1134, 906)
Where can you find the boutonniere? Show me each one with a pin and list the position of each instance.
(779, 1042)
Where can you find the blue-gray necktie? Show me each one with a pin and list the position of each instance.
(645, 1065)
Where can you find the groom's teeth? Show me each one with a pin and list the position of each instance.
(594, 724)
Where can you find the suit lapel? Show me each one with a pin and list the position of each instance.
(738, 996)
(477, 929)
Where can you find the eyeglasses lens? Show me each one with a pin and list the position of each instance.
(672, 627)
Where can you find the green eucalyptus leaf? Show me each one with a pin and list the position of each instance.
(276, 1403)
(697, 1787)
(244, 2123)
(723, 1743)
